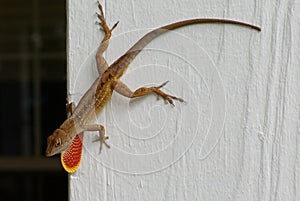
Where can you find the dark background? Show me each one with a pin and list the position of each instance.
(32, 98)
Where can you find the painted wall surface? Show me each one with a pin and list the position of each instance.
(237, 136)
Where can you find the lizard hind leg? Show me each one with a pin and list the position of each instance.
(101, 62)
(122, 89)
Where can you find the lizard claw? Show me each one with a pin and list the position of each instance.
(166, 97)
(100, 8)
(103, 25)
(115, 25)
(99, 15)
(102, 139)
(170, 99)
(162, 85)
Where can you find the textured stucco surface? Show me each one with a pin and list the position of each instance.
(237, 136)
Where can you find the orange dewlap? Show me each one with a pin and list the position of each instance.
(70, 159)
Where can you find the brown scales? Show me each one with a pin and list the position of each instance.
(95, 99)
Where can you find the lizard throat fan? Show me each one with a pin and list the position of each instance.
(70, 159)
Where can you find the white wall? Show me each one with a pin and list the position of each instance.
(236, 138)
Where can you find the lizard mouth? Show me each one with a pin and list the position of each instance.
(48, 154)
(49, 150)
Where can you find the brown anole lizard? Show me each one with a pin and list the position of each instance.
(97, 96)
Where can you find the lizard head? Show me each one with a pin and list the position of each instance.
(57, 142)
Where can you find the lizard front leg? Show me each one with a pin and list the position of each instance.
(102, 138)
(101, 62)
(70, 107)
(122, 89)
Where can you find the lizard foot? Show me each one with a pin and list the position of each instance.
(167, 97)
(145, 91)
(102, 139)
(103, 25)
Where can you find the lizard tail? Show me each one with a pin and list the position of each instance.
(70, 159)
(120, 65)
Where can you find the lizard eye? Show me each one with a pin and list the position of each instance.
(58, 142)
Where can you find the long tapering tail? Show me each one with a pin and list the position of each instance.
(120, 65)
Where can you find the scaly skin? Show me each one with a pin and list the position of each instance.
(95, 99)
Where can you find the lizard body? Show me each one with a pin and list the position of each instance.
(97, 96)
